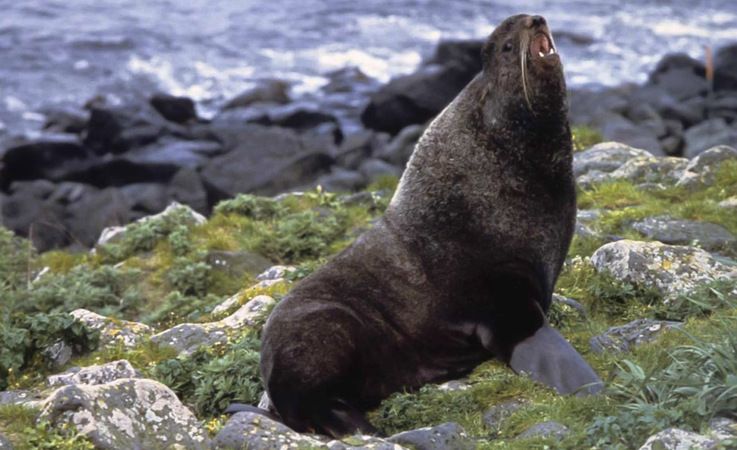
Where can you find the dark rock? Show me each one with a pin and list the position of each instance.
(672, 145)
(497, 414)
(358, 146)
(623, 338)
(702, 170)
(708, 134)
(95, 211)
(342, 180)
(189, 154)
(616, 128)
(65, 120)
(400, 148)
(708, 236)
(118, 129)
(725, 68)
(50, 159)
(416, 98)
(267, 91)
(121, 171)
(373, 169)
(724, 105)
(548, 430)
(680, 76)
(237, 263)
(58, 354)
(346, 80)
(174, 109)
(267, 161)
(28, 213)
(186, 187)
(146, 197)
(441, 437)
(586, 105)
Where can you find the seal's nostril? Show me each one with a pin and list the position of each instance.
(538, 21)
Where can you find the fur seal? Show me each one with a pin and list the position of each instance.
(461, 267)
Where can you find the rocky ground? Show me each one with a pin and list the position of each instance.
(108, 163)
(143, 341)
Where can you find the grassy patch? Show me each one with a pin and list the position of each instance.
(585, 137)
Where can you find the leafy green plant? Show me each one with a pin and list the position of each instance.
(259, 208)
(189, 278)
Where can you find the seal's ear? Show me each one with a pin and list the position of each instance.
(487, 53)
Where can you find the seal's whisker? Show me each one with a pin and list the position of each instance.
(524, 45)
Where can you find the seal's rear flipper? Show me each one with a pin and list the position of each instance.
(234, 408)
(548, 358)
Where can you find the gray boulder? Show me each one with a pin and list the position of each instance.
(267, 91)
(441, 437)
(701, 171)
(671, 269)
(97, 374)
(114, 331)
(708, 134)
(708, 236)
(495, 416)
(126, 413)
(623, 338)
(604, 157)
(677, 439)
(548, 430)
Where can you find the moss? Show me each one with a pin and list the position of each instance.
(584, 137)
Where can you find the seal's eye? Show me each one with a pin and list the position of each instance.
(507, 46)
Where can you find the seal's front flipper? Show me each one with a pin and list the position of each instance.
(235, 408)
(548, 358)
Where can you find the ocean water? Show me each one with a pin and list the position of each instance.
(56, 52)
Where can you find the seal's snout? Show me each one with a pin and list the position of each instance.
(536, 21)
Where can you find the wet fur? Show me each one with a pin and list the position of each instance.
(460, 269)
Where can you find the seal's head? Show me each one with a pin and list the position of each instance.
(520, 59)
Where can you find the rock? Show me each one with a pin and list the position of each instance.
(96, 211)
(416, 98)
(118, 129)
(148, 198)
(359, 146)
(92, 375)
(454, 386)
(28, 212)
(174, 109)
(708, 236)
(497, 414)
(114, 331)
(186, 338)
(725, 68)
(255, 432)
(671, 269)
(730, 203)
(548, 430)
(237, 263)
(701, 171)
(186, 187)
(275, 273)
(341, 180)
(680, 76)
(267, 91)
(648, 169)
(400, 148)
(708, 134)
(267, 161)
(373, 169)
(126, 413)
(570, 302)
(677, 439)
(723, 428)
(58, 354)
(588, 105)
(264, 402)
(65, 119)
(186, 216)
(27, 398)
(5, 443)
(185, 154)
(622, 338)
(441, 437)
(347, 79)
(604, 157)
(52, 158)
(614, 127)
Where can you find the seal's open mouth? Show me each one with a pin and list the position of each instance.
(542, 46)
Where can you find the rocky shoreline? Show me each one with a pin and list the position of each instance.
(107, 164)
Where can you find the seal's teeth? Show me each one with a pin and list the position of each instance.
(541, 54)
(552, 51)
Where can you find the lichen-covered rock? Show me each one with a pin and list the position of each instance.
(646, 170)
(275, 273)
(677, 439)
(441, 437)
(31, 399)
(723, 428)
(667, 230)
(126, 414)
(730, 203)
(671, 269)
(624, 337)
(497, 414)
(113, 331)
(454, 385)
(92, 375)
(5, 443)
(58, 354)
(605, 157)
(189, 217)
(188, 337)
(549, 429)
(701, 171)
(255, 432)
